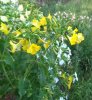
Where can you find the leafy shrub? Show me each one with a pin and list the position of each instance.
(34, 55)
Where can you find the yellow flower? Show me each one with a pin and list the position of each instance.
(70, 80)
(76, 38)
(34, 29)
(80, 38)
(75, 30)
(45, 28)
(73, 39)
(17, 33)
(4, 28)
(69, 28)
(13, 46)
(33, 49)
(43, 21)
(24, 43)
(47, 44)
(41, 41)
(36, 23)
(49, 17)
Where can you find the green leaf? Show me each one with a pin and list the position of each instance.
(21, 87)
(9, 60)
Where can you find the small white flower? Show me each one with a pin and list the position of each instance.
(73, 17)
(62, 38)
(56, 79)
(75, 77)
(59, 53)
(37, 56)
(67, 56)
(27, 13)
(87, 17)
(5, 1)
(59, 72)
(61, 62)
(53, 32)
(55, 14)
(22, 18)
(69, 51)
(50, 68)
(59, 12)
(4, 18)
(81, 17)
(53, 86)
(20, 8)
(63, 45)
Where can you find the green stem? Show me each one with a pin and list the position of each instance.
(26, 72)
(6, 75)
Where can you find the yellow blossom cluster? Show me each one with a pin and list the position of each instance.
(25, 45)
(38, 23)
(31, 48)
(75, 38)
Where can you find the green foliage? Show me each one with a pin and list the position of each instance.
(82, 90)
(82, 54)
(31, 78)
(34, 57)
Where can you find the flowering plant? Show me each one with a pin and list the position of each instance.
(34, 55)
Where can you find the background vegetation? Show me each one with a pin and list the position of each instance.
(82, 58)
(82, 55)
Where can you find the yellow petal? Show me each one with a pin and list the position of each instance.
(43, 21)
(34, 29)
(41, 41)
(13, 46)
(47, 44)
(70, 80)
(73, 39)
(17, 33)
(33, 49)
(4, 28)
(75, 30)
(36, 23)
(69, 28)
(80, 38)
(45, 28)
(24, 43)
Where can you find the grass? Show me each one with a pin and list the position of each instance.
(76, 6)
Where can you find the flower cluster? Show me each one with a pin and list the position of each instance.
(75, 37)
(38, 53)
(73, 17)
